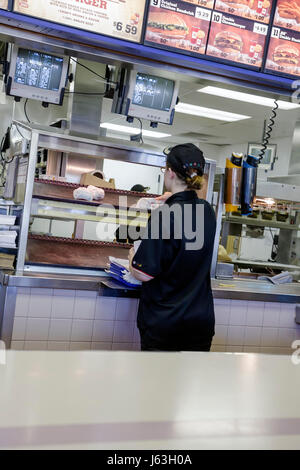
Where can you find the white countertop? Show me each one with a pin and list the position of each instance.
(133, 400)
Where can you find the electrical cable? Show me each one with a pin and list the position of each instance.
(141, 132)
(269, 130)
(92, 71)
(25, 110)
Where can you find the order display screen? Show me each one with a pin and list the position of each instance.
(153, 92)
(38, 70)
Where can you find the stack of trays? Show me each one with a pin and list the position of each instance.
(119, 270)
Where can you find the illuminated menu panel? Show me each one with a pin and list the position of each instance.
(284, 53)
(4, 4)
(287, 14)
(122, 19)
(178, 25)
(237, 40)
(257, 10)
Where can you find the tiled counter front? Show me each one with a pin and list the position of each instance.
(74, 320)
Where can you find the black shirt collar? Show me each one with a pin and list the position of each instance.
(184, 196)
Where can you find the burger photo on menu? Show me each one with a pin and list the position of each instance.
(284, 52)
(237, 40)
(186, 28)
(202, 3)
(287, 14)
(258, 10)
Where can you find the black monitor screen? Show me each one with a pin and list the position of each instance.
(38, 70)
(153, 92)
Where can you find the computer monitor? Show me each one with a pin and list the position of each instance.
(146, 96)
(36, 75)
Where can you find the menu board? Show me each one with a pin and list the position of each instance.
(237, 39)
(257, 10)
(284, 52)
(4, 4)
(178, 25)
(287, 14)
(122, 19)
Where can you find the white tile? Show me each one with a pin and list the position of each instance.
(286, 336)
(97, 346)
(271, 314)
(236, 335)
(287, 316)
(122, 347)
(251, 349)
(60, 330)
(105, 308)
(233, 349)
(220, 337)
(82, 330)
(86, 293)
(84, 307)
(58, 345)
(80, 346)
(35, 346)
(40, 303)
(103, 331)
(22, 302)
(255, 313)
(19, 329)
(238, 313)
(37, 329)
(123, 332)
(17, 345)
(222, 311)
(64, 292)
(252, 336)
(215, 348)
(63, 305)
(269, 337)
(126, 309)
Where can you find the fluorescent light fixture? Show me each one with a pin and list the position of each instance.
(247, 97)
(209, 113)
(133, 130)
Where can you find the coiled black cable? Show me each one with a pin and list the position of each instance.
(269, 130)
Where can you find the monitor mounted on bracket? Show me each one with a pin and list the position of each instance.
(146, 96)
(36, 75)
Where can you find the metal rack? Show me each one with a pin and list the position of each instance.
(60, 141)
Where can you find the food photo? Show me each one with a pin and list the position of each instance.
(288, 14)
(258, 10)
(284, 57)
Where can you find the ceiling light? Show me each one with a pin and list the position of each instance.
(133, 130)
(209, 113)
(247, 97)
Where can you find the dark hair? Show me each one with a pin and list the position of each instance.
(188, 162)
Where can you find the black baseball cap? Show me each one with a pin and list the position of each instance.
(185, 157)
(139, 188)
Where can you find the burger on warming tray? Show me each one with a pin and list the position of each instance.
(168, 25)
(286, 56)
(229, 42)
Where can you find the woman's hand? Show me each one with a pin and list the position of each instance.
(164, 197)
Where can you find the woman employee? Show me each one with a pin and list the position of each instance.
(176, 309)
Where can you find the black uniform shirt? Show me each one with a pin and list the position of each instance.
(176, 306)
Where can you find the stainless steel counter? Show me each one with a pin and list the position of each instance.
(222, 289)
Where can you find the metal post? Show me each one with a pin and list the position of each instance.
(27, 202)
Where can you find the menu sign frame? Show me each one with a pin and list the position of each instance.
(121, 19)
(283, 55)
(179, 26)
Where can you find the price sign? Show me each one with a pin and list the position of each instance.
(122, 19)
(203, 14)
(260, 28)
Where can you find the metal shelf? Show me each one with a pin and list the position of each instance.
(260, 223)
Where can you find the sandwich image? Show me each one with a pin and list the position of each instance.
(286, 56)
(168, 25)
(229, 42)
